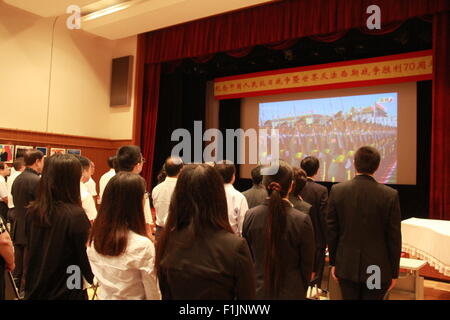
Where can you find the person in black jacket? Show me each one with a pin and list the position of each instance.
(257, 194)
(316, 195)
(281, 240)
(198, 256)
(364, 237)
(24, 191)
(57, 231)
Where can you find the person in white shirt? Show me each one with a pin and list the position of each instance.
(4, 172)
(162, 193)
(236, 201)
(121, 255)
(106, 177)
(87, 201)
(90, 184)
(17, 169)
(129, 159)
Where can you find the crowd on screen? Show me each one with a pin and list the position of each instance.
(208, 240)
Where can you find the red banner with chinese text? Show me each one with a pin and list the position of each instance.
(415, 66)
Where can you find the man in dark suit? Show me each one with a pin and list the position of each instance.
(364, 237)
(24, 191)
(316, 195)
(257, 194)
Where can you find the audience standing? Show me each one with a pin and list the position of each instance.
(24, 191)
(121, 254)
(104, 179)
(130, 159)
(19, 167)
(281, 240)
(294, 196)
(6, 257)
(363, 219)
(4, 172)
(58, 229)
(236, 202)
(198, 255)
(316, 195)
(162, 193)
(87, 200)
(257, 194)
(90, 184)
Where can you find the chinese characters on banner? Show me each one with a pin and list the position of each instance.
(405, 67)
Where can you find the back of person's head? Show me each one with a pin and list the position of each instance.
(226, 169)
(128, 157)
(111, 161)
(173, 166)
(256, 175)
(300, 180)
(198, 201)
(31, 156)
(85, 162)
(162, 174)
(86, 167)
(19, 164)
(3, 167)
(60, 183)
(278, 187)
(310, 165)
(367, 160)
(121, 211)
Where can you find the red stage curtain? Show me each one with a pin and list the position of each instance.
(150, 97)
(276, 22)
(289, 20)
(440, 143)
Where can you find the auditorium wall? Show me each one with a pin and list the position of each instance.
(55, 80)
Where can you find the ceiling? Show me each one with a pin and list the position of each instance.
(116, 19)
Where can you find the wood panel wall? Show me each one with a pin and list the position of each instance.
(96, 149)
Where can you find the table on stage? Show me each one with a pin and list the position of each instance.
(428, 240)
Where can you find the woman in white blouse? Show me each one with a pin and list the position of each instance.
(120, 252)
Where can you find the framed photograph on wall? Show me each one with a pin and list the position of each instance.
(20, 151)
(44, 150)
(6, 153)
(57, 151)
(74, 151)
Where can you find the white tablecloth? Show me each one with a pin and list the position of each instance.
(428, 240)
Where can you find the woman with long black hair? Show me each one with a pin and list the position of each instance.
(57, 228)
(121, 254)
(198, 256)
(281, 239)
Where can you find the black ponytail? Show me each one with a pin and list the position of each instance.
(278, 187)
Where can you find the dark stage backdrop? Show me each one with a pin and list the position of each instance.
(278, 26)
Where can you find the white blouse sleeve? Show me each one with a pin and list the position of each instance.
(148, 273)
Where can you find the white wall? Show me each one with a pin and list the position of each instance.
(65, 92)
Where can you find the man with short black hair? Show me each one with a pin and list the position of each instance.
(129, 159)
(316, 195)
(19, 167)
(257, 194)
(162, 193)
(24, 191)
(363, 219)
(236, 202)
(87, 200)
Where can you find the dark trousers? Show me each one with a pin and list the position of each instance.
(319, 266)
(359, 291)
(20, 255)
